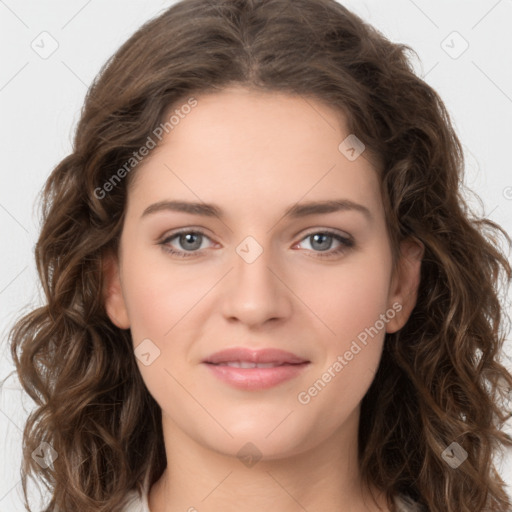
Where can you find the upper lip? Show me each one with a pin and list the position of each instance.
(267, 355)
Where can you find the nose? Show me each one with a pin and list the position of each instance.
(256, 291)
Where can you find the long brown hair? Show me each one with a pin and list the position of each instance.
(440, 380)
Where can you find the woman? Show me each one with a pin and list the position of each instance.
(264, 288)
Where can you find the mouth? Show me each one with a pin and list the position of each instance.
(255, 370)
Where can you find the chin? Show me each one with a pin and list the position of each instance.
(265, 440)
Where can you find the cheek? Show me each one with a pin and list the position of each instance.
(352, 307)
(159, 295)
(158, 299)
(352, 297)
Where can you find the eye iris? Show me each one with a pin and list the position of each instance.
(323, 236)
(186, 238)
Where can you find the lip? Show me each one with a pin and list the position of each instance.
(287, 366)
(267, 355)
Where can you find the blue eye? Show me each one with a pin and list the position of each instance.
(319, 240)
(191, 242)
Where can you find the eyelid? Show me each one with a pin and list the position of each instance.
(328, 231)
(173, 234)
(179, 231)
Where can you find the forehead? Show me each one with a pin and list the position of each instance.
(245, 146)
(248, 119)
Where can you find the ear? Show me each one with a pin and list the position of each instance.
(112, 292)
(405, 282)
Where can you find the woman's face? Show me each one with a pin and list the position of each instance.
(273, 269)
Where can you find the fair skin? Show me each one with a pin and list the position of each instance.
(254, 154)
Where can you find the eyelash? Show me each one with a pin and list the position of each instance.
(346, 243)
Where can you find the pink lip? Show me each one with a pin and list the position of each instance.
(289, 366)
(267, 355)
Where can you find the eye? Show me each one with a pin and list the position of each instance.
(189, 240)
(190, 243)
(321, 242)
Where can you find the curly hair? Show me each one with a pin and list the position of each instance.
(440, 379)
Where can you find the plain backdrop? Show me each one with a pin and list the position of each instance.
(465, 53)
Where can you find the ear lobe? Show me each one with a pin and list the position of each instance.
(405, 283)
(113, 298)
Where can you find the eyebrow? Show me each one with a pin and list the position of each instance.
(295, 211)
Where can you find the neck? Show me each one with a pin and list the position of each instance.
(325, 477)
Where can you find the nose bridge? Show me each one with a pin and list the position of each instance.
(252, 264)
(255, 294)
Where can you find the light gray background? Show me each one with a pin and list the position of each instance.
(40, 100)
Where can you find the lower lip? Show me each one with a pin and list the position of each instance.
(256, 378)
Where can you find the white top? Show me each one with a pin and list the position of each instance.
(140, 504)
